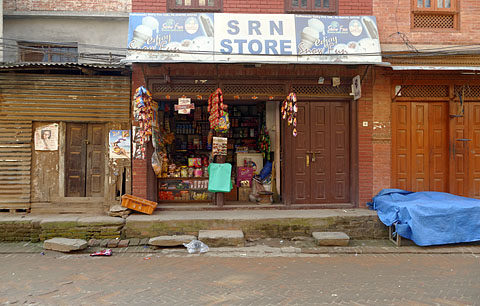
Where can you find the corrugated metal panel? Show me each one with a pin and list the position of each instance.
(15, 163)
(64, 97)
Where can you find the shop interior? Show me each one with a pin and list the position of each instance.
(185, 141)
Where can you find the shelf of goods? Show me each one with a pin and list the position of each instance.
(183, 189)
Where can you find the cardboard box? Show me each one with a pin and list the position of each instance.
(256, 160)
(243, 193)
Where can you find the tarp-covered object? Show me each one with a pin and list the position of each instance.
(429, 218)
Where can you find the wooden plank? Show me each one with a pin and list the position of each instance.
(22, 205)
(19, 172)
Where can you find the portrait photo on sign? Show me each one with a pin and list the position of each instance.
(46, 138)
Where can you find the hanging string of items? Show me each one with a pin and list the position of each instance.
(144, 116)
(218, 118)
(264, 143)
(289, 111)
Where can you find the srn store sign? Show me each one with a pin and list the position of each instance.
(259, 38)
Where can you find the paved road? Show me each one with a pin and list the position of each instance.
(209, 279)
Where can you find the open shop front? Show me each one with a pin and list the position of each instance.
(189, 143)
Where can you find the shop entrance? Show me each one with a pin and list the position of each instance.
(321, 153)
(84, 160)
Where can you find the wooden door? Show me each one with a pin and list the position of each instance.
(95, 160)
(321, 153)
(466, 152)
(420, 146)
(85, 163)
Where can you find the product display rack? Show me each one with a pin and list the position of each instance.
(183, 189)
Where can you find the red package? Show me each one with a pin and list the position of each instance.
(102, 253)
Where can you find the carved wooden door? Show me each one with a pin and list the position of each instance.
(321, 153)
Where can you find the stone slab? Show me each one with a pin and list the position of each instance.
(100, 221)
(219, 238)
(167, 241)
(65, 244)
(331, 238)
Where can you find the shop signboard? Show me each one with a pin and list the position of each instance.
(254, 38)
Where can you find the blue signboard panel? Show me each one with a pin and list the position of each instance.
(268, 38)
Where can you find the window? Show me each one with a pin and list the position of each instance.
(311, 6)
(195, 5)
(435, 15)
(38, 52)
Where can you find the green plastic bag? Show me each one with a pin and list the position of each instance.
(219, 177)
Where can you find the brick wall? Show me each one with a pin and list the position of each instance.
(345, 7)
(394, 16)
(382, 133)
(365, 153)
(68, 5)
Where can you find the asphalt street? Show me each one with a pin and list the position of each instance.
(225, 279)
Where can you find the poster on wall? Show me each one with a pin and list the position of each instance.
(46, 138)
(119, 141)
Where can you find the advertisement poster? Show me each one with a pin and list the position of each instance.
(172, 37)
(337, 38)
(46, 138)
(119, 141)
(259, 38)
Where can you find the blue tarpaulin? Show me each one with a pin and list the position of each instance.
(429, 218)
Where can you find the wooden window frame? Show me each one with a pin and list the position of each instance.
(173, 7)
(26, 49)
(333, 9)
(454, 11)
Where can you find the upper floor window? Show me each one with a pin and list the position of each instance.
(195, 5)
(311, 6)
(435, 5)
(39, 52)
(435, 15)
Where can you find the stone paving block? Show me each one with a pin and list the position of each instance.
(331, 238)
(123, 243)
(65, 244)
(93, 242)
(144, 241)
(113, 243)
(134, 241)
(217, 238)
(168, 241)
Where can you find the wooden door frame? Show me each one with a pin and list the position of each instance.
(287, 169)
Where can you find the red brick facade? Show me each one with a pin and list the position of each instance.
(69, 5)
(345, 7)
(395, 16)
